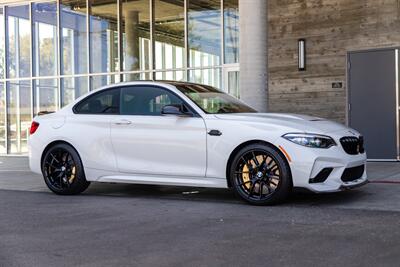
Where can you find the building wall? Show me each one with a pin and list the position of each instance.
(331, 28)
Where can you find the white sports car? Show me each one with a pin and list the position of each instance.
(184, 134)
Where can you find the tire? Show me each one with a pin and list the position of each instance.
(260, 175)
(63, 171)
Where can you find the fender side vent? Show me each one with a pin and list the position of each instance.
(321, 176)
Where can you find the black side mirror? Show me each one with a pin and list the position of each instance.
(177, 110)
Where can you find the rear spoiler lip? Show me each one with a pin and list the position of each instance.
(41, 113)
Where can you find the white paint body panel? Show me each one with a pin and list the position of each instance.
(171, 150)
(160, 145)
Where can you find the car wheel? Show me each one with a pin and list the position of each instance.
(260, 175)
(63, 170)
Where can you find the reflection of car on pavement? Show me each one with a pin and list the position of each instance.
(175, 133)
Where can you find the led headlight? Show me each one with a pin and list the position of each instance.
(310, 140)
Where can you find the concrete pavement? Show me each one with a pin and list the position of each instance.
(137, 225)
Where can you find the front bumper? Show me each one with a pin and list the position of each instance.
(307, 163)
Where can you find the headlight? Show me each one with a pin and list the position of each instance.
(310, 140)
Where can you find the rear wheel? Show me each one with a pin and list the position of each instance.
(63, 170)
(260, 175)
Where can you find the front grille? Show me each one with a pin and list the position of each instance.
(354, 173)
(352, 145)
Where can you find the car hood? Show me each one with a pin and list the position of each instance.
(300, 123)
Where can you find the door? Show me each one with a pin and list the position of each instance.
(146, 142)
(231, 81)
(89, 129)
(373, 105)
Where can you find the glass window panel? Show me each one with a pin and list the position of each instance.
(171, 75)
(204, 17)
(19, 115)
(104, 102)
(231, 31)
(103, 80)
(45, 95)
(169, 26)
(136, 35)
(1, 44)
(72, 88)
(44, 16)
(146, 101)
(206, 76)
(233, 84)
(159, 47)
(18, 43)
(128, 77)
(73, 37)
(104, 36)
(3, 148)
(169, 50)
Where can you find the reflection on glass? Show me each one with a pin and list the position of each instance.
(44, 16)
(73, 37)
(104, 36)
(231, 31)
(3, 148)
(19, 115)
(206, 76)
(204, 32)
(136, 36)
(1, 46)
(103, 80)
(169, 26)
(19, 41)
(45, 95)
(72, 88)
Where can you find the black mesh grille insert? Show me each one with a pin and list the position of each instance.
(321, 176)
(352, 145)
(354, 173)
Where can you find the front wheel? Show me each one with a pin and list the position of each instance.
(63, 170)
(260, 175)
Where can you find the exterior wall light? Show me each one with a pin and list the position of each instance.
(302, 54)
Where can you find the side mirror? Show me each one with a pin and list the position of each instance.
(177, 110)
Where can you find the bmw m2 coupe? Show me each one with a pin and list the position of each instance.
(184, 134)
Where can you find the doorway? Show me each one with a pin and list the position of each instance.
(373, 106)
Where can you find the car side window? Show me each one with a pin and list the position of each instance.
(105, 102)
(146, 100)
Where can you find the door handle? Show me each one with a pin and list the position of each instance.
(123, 122)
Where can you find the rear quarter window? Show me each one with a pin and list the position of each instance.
(104, 102)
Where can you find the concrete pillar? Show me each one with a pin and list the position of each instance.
(132, 43)
(253, 26)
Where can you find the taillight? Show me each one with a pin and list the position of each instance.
(34, 127)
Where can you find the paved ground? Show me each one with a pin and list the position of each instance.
(132, 225)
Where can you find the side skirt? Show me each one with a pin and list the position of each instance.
(102, 176)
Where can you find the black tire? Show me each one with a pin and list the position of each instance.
(63, 171)
(260, 175)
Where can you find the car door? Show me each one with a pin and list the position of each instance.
(147, 142)
(89, 128)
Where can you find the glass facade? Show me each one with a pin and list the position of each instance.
(52, 52)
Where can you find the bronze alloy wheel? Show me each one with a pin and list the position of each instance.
(60, 168)
(63, 171)
(260, 175)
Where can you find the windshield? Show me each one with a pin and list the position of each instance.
(213, 101)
